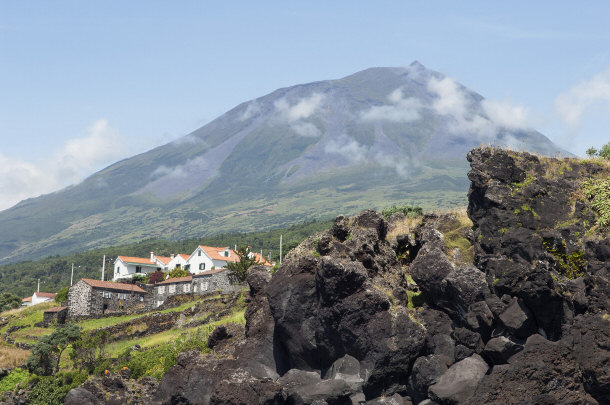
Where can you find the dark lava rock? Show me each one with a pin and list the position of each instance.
(458, 383)
(544, 372)
(517, 320)
(80, 396)
(219, 333)
(498, 350)
(426, 371)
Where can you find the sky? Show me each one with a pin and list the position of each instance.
(85, 84)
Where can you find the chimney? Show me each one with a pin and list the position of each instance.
(152, 256)
(171, 256)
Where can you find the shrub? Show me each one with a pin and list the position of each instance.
(407, 210)
(47, 352)
(156, 277)
(597, 192)
(62, 295)
(15, 377)
(52, 390)
(9, 301)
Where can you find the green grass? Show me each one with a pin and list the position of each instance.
(15, 377)
(90, 324)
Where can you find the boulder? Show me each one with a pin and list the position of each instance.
(498, 350)
(518, 320)
(426, 371)
(80, 396)
(459, 382)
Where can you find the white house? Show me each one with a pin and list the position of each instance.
(38, 298)
(126, 266)
(207, 258)
(179, 260)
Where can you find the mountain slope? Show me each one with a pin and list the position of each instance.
(377, 137)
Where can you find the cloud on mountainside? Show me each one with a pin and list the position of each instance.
(348, 148)
(79, 157)
(296, 113)
(572, 104)
(400, 109)
(181, 171)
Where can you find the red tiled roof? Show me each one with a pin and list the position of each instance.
(113, 286)
(56, 309)
(185, 257)
(214, 253)
(208, 272)
(45, 295)
(137, 260)
(163, 259)
(27, 299)
(261, 260)
(176, 280)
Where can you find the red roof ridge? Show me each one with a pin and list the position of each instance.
(113, 286)
(45, 294)
(176, 280)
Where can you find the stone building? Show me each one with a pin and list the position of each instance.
(202, 283)
(94, 297)
(55, 314)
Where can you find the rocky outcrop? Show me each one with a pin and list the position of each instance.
(511, 308)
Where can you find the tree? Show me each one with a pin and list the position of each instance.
(88, 349)
(156, 277)
(591, 152)
(47, 352)
(603, 153)
(9, 301)
(62, 295)
(244, 260)
(176, 272)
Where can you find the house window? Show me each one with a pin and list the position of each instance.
(106, 294)
(226, 253)
(161, 290)
(186, 288)
(201, 266)
(178, 265)
(121, 296)
(172, 288)
(118, 269)
(187, 267)
(141, 298)
(199, 253)
(205, 285)
(138, 269)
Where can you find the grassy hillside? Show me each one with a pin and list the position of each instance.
(196, 318)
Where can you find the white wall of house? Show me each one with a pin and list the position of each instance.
(39, 300)
(124, 270)
(200, 261)
(177, 260)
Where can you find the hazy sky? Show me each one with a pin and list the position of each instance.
(84, 84)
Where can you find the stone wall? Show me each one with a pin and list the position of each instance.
(162, 292)
(105, 301)
(59, 317)
(205, 283)
(79, 300)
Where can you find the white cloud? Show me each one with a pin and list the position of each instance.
(572, 104)
(100, 145)
(452, 100)
(250, 111)
(348, 148)
(304, 108)
(401, 109)
(181, 171)
(306, 129)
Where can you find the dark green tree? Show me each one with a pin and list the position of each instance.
(89, 349)
(604, 152)
(9, 301)
(62, 295)
(591, 152)
(244, 261)
(47, 352)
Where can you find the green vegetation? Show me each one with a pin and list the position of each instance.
(240, 267)
(62, 295)
(17, 376)
(454, 230)
(571, 265)
(9, 301)
(46, 353)
(408, 210)
(415, 299)
(597, 192)
(603, 153)
(516, 187)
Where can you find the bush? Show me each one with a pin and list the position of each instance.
(62, 295)
(52, 390)
(15, 377)
(156, 277)
(47, 352)
(407, 210)
(9, 301)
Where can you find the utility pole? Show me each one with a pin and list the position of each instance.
(38, 290)
(72, 275)
(281, 249)
(103, 266)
